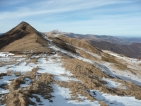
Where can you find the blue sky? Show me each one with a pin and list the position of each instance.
(100, 17)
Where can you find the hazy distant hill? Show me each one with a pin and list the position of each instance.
(133, 50)
(98, 38)
(112, 39)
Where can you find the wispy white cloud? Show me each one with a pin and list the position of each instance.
(55, 6)
(80, 16)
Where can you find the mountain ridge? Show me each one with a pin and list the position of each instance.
(73, 73)
(112, 39)
(117, 45)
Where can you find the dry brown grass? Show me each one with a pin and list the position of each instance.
(3, 62)
(18, 98)
(29, 42)
(80, 43)
(60, 43)
(9, 72)
(76, 89)
(42, 86)
(3, 99)
(91, 77)
(17, 74)
(86, 55)
(118, 63)
(15, 84)
(80, 69)
(112, 59)
(32, 74)
(139, 65)
(27, 55)
(102, 103)
(32, 60)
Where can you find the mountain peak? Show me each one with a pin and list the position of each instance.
(22, 37)
(23, 22)
(24, 26)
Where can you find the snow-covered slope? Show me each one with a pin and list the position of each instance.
(64, 78)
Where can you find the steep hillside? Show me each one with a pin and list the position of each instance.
(133, 50)
(21, 38)
(76, 42)
(62, 44)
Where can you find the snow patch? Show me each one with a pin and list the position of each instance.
(112, 100)
(65, 78)
(62, 97)
(112, 84)
(51, 67)
(6, 80)
(27, 82)
(5, 54)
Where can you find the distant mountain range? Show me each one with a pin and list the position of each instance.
(98, 38)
